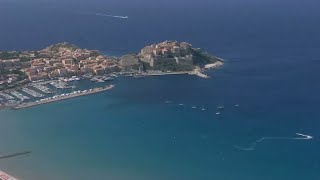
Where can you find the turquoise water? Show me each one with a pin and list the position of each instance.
(130, 133)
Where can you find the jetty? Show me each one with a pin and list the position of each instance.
(214, 65)
(14, 155)
(42, 88)
(196, 72)
(32, 92)
(19, 95)
(7, 96)
(63, 97)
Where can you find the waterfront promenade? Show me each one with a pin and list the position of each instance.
(63, 97)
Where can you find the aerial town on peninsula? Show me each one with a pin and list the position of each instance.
(27, 78)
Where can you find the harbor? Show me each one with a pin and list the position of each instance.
(42, 88)
(32, 92)
(63, 97)
(42, 92)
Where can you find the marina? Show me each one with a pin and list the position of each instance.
(42, 88)
(41, 92)
(32, 92)
(63, 97)
(73, 78)
(6, 96)
(19, 95)
(102, 79)
(59, 84)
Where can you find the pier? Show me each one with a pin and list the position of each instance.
(59, 84)
(32, 92)
(214, 65)
(199, 73)
(7, 96)
(196, 72)
(42, 88)
(19, 95)
(63, 97)
(14, 154)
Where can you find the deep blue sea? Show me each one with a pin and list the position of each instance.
(272, 63)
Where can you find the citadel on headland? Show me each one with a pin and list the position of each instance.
(169, 56)
(35, 73)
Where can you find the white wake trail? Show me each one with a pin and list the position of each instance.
(109, 15)
(254, 144)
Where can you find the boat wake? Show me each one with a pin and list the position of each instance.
(109, 15)
(254, 144)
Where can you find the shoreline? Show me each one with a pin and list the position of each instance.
(197, 72)
(63, 97)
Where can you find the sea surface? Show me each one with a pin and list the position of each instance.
(272, 62)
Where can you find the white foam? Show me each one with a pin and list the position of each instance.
(254, 144)
(304, 136)
(109, 15)
(244, 149)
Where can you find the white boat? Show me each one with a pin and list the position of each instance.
(114, 75)
(237, 105)
(218, 113)
(100, 81)
(220, 107)
(194, 107)
(94, 79)
(87, 76)
(107, 79)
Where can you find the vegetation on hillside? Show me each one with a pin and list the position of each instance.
(201, 58)
(5, 55)
(67, 45)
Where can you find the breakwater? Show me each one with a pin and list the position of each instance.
(63, 97)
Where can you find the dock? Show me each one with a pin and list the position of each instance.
(14, 155)
(63, 97)
(7, 96)
(19, 95)
(32, 92)
(42, 88)
(195, 72)
(59, 84)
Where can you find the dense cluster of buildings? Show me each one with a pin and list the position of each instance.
(61, 62)
(7, 65)
(66, 62)
(167, 51)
